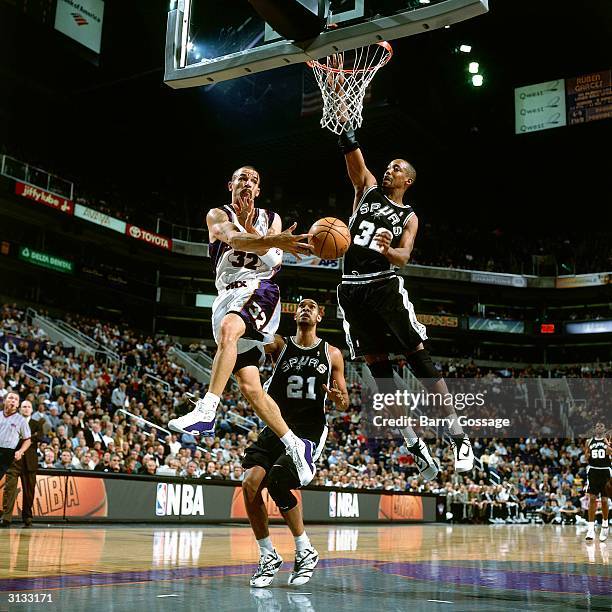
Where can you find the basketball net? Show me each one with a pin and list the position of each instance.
(343, 79)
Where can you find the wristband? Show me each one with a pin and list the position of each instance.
(348, 142)
(272, 257)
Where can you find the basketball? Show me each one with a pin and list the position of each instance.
(330, 237)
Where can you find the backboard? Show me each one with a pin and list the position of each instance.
(207, 43)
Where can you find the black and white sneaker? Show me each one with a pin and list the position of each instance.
(464, 455)
(305, 562)
(266, 570)
(428, 467)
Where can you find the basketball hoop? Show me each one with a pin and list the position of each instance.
(343, 79)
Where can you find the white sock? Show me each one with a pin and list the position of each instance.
(409, 436)
(288, 439)
(591, 525)
(604, 524)
(455, 429)
(302, 542)
(265, 546)
(211, 401)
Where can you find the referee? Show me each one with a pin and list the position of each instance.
(13, 427)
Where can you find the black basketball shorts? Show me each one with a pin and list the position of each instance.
(269, 451)
(379, 317)
(597, 480)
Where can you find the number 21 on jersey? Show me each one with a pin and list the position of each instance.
(295, 387)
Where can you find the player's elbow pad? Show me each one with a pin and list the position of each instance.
(348, 142)
(272, 257)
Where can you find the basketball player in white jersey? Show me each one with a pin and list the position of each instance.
(246, 249)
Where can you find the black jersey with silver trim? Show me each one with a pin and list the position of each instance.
(374, 211)
(296, 385)
(598, 454)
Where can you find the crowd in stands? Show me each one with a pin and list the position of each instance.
(449, 245)
(80, 400)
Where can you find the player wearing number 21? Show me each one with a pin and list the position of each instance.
(246, 249)
(307, 371)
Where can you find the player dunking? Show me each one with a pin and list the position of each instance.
(304, 365)
(372, 296)
(246, 248)
(598, 451)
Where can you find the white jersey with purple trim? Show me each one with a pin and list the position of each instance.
(231, 266)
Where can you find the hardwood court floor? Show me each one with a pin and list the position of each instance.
(384, 568)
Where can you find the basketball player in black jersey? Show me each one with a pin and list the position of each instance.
(379, 318)
(306, 371)
(598, 451)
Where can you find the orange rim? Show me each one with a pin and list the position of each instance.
(383, 43)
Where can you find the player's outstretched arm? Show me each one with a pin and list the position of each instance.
(356, 167)
(400, 255)
(338, 392)
(221, 228)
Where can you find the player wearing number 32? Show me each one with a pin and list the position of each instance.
(378, 316)
(246, 249)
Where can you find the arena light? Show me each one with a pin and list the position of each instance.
(474, 67)
(465, 48)
(477, 80)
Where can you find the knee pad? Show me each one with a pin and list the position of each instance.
(422, 366)
(280, 482)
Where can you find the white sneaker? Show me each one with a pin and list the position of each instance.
(305, 562)
(266, 600)
(266, 570)
(590, 534)
(302, 453)
(428, 466)
(603, 534)
(464, 455)
(199, 422)
(300, 601)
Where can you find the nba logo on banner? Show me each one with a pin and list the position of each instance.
(332, 504)
(162, 499)
(343, 505)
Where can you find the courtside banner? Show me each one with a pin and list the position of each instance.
(583, 280)
(133, 231)
(87, 496)
(99, 218)
(44, 197)
(309, 261)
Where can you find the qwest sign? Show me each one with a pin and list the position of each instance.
(44, 197)
(179, 500)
